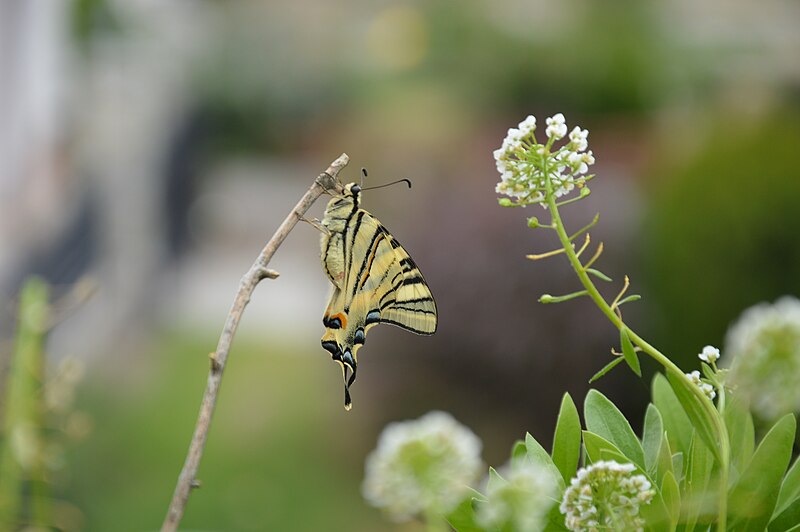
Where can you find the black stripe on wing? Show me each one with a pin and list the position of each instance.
(405, 326)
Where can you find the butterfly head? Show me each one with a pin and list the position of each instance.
(352, 190)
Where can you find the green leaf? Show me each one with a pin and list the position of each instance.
(518, 451)
(595, 445)
(790, 488)
(537, 455)
(628, 299)
(628, 352)
(676, 461)
(495, 479)
(463, 517)
(651, 437)
(752, 499)
(608, 367)
(708, 372)
(656, 515)
(555, 520)
(698, 499)
(598, 274)
(671, 494)
(567, 439)
(547, 298)
(614, 456)
(604, 419)
(787, 519)
(695, 409)
(676, 422)
(665, 461)
(741, 434)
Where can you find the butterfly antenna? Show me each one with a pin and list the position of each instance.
(404, 180)
(363, 176)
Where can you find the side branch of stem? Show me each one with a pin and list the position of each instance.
(654, 353)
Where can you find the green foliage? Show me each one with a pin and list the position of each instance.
(463, 517)
(676, 423)
(628, 351)
(538, 455)
(567, 439)
(790, 488)
(741, 433)
(683, 470)
(652, 437)
(24, 488)
(697, 410)
(752, 499)
(267, 470)
(605, 369)
(743, 184)
(696, 454)
(605, 420)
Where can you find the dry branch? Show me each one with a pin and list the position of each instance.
(258, 271)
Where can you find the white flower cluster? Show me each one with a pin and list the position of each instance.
(707, 388)
(606, 496)
(526, 166)
(422, 466)
(764, 349)
(519, 501)
(710, 354)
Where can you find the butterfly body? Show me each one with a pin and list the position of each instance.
(374, 281)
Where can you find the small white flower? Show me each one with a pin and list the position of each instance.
(705, 387)
(578, 138)
(528, 169)
(763, 347)
(710, 354)
(514, 135)
(519, 501)
(556, 127)
(606, 495)
(423, 465)
(528, 125)
(576, 161)
(708, 389)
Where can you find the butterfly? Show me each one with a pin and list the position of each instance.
(374, 281)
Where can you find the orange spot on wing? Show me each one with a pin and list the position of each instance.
(342, 319)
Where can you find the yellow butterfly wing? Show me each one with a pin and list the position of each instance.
(375, 281)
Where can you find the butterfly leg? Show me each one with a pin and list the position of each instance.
(317, 224)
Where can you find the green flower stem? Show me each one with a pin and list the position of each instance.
(654, 353)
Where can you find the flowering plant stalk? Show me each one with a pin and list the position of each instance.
(696, 465)
(534, 173)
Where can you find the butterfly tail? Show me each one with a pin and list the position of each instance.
(349, 365)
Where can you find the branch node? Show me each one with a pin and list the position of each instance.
(615, 303)
(266, 273)
(212, 359)
(196, 484)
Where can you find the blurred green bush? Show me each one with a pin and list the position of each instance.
(721, 229)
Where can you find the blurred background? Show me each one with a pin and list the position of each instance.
(149, 149)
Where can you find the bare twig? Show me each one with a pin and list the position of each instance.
(258, 271)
